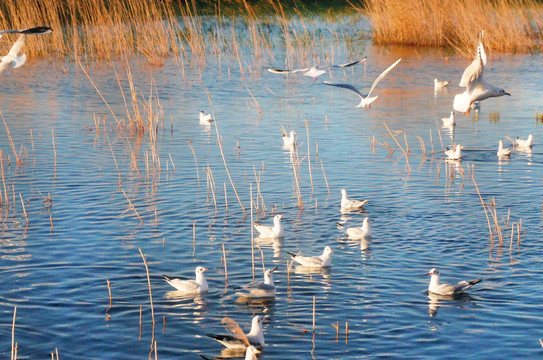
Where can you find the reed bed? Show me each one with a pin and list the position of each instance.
(510, 25)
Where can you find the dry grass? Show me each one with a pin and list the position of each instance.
(510, 25)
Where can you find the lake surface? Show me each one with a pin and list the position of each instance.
(426, 212)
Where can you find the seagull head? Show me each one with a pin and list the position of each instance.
(502, 92)
(201, 270)
(434, 271)
(328, 250)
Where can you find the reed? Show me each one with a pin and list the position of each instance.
(13, 343)
(153, 342)
(510, 25)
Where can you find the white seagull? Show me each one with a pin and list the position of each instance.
(321, 261)
(315, 71)
(477, 88)
(502, 151)
(448, 289)
(205, 119)
(197, 286)
(438, 85)
(363, 232)
(13, 58)
(275, 231)
(289, 141)
(241, 341)
(348, 205)
(524, 144)
(449, 121)
(365, 100)
(455, 154)
(259, 289)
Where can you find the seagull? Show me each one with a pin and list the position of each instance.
(289, 141)
(448, 289)
(255, 337)
(524, 144)
(455, 154)
(363, 232)
(449, 121)
(321, 261)
(477, 88)
(275, 231)
(348, 205)
(438, 85)
(197, 286)
(259, 289)
(13, 58)
(205, 119)
(365, 100)
(315, 71)
(502, 151)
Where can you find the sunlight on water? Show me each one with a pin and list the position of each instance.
(426, 212)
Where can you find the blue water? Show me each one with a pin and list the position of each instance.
(426, 212)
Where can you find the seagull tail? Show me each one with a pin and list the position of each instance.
(167, 278)
(473, 282)
(291, 254)
(461, 102)
(37, 30)
(19, 61)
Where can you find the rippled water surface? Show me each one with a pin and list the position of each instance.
(426, 213)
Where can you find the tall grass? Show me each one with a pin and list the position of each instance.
(510, 25)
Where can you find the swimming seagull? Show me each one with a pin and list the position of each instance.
(455, 154)
(363, 232)
(13, 58)
(289, 141)
(365, 100)
(449, 121)
(477, 88)
(321, 261)
(250, 354)
(524, 144)
(315, 71)
(274, 231)
(438, 85)
(348, 204)
(259, 289)
(241, 341)
(502, 151)
(205, 119)
(448, 289)
(197, 286)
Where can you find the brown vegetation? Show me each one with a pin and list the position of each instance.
(510, 25)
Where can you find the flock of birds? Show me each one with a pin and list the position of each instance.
(252, 343)
(477, 89)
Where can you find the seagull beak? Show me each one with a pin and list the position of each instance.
(282, 216)
(275, 268)
(206, 269)
(507, 94)
(427, 274)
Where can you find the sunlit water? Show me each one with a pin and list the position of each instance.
(426, 212)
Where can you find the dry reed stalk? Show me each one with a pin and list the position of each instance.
(336, 326)
(193, 238)
(309, 155)
(295, 166)
(324, 175)
(51, 221)
(196, 162)
(110, 299)
(132, 207)
(346, 332)
(484, 208)
(141, 324)
(24, 209)
(11, 144)
(150, 297)
(405, 152)
(225, 198)
(224, 158)
(13, 344)
(164, 324)
(225, 266)
(314, 317)
(173, 165)
(213, 187)
(252, 232)
(257, 105)
(422, 146)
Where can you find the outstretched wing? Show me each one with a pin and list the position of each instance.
(351, 63)
(383, 74)
(16, 47)
(345, 86)
(475, 70)
(285, 71)
(234, 328)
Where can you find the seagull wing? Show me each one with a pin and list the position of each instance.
(475, 70)
(383, 74)
(345, 86)
(16, 47)
(285, 71)
(351, 63)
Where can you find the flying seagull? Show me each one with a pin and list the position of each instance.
(315, 71)
(365, 100)
(13, 58)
